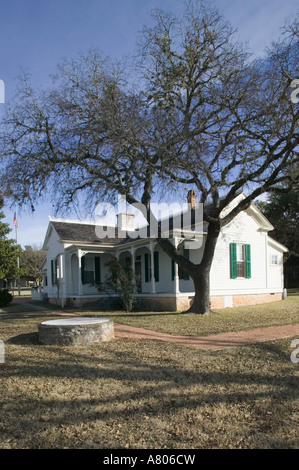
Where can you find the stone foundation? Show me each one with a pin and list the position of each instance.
(104, 302)
(239, 300)
(219, 302)
(155, 304)
(183, 303)
(164, 303)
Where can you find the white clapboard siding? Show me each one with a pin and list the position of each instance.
(54, 248)
(275, 271)
(243, 229)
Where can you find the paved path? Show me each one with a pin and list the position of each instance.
(211, 342)
(40, 308)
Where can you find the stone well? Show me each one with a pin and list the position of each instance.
(76, 331)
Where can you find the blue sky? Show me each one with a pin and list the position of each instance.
(36, 34)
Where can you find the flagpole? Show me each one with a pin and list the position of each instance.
(18, 259)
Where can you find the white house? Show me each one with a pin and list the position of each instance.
(247, 266)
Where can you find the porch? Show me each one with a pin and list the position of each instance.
(80, 273)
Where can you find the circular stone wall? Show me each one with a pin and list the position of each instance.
(76, 331)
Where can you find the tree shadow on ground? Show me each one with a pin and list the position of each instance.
(23, 316)
(24, 339)
(125, 386)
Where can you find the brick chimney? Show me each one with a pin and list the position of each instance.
(126, 222)
(191, 199)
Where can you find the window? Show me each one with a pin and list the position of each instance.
(274, 260)
(240, 260)
(90, 270)
(148, 267)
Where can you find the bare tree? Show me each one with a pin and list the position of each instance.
(204, 115)
(232, 123)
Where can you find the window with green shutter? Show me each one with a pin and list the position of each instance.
(90, 269)
(248, 261)
(240, 261)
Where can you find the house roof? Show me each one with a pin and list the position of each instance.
(277, 245)
(84, 233)
(87, 233)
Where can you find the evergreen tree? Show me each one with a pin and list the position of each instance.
(9, 253)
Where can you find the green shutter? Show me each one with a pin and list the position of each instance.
(233, 260)
(52, 272)
(97, 269)
(186, 276)
(146, 267)
(156, 265)
(82, 269)
(55, 270)
(172, 270)
(248, 261)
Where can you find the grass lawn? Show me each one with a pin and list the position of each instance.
(229, 319)
(149, 394)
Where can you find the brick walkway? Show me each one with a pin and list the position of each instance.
(212, 342)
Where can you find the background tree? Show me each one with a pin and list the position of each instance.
(204, 115)
(31, 260)
(282, 210)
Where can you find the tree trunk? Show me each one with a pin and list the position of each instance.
(201, 301)
(200, 273)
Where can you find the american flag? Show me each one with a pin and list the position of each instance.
(15, 221)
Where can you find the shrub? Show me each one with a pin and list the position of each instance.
(120, 281)
(5, 297)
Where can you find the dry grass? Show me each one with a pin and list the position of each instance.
(229, 319)
(143, 394)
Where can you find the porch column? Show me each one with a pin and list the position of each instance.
(80, 290)
(62, 278)
(153, 283)
(176, 280)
